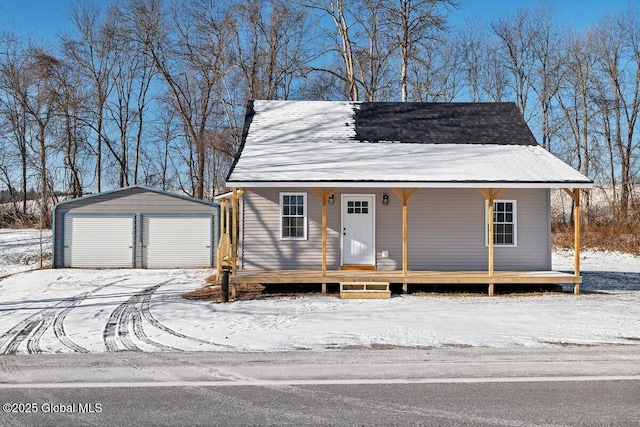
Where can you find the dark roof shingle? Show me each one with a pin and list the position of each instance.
(442, 123)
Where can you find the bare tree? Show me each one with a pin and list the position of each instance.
(546, 41)
(69, 105)
(486, 78)
(437, 75)
(343, 21)
(188, 45)
(91, 48)
(159, 170)
(324, 86)
(578, 75)
(494, 78)
(270, 48)
(618, 42)
(374, 52)
(472, 41)
(574, 97)
(145, 75)
(37, 97)
(11, 82)
(29, 101)
(411, 23)
(131, 77)
(517, 53)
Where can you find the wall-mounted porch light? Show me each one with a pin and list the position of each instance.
(331, 199)
(385, 199)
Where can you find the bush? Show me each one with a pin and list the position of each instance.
(619, 235)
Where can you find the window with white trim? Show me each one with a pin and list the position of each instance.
(504, 222)
(293, 216)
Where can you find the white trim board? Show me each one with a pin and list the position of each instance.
(405, 184)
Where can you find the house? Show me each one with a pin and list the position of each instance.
(408, 193)
(135, 227)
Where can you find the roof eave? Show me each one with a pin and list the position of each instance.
(131, 187)
(412, 184)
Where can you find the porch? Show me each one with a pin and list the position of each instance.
(405, 276)
(409, 278)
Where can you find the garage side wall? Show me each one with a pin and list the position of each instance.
(138, 202)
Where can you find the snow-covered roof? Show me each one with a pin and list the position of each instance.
(329, 143)
(134, 188)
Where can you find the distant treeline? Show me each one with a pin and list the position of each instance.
(9, 196)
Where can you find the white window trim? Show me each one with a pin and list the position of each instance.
(515, 224)
(281, 215)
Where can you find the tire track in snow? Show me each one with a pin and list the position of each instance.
(60, 333)
(127, 317)
(146, 313)
(116, 331)
(33, 341)
(32, 328)
(11, 340)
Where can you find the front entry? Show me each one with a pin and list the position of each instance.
(358, 230)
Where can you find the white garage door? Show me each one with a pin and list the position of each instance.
(177, 241)
(97, 241)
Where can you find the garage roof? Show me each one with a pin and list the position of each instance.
(359, 144)
(135, 188)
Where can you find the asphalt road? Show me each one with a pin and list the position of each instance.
(598, 386)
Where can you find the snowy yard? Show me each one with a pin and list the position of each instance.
(20, 249)
(72, 310)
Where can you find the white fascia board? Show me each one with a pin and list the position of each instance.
(360, 184)
(422, 165)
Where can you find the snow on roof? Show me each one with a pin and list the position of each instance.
(131, 189)
(307, 143)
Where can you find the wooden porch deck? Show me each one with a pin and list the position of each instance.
(412, 277)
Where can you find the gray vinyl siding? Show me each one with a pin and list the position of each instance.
(389, 231)
(445, 227)
(261, 246)
(137, 201)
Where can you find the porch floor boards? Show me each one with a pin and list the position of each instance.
(413, 277)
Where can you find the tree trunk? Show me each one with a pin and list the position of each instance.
(45, 220)
(99, 153)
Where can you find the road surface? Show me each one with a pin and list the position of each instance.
(452, 386)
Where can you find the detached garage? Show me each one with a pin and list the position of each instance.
(135, 227)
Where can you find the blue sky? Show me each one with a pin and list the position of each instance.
(42, 18)
(576, 13)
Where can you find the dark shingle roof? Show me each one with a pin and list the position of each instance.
(442, 123)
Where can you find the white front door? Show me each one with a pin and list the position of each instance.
(358, 229)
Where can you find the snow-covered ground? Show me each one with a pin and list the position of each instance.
(74, 310)
(20, 249)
